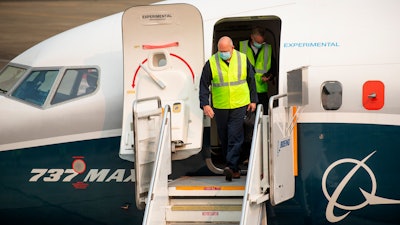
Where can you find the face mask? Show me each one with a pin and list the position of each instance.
(257, 45)
(225, 55)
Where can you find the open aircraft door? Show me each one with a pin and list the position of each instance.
(283, 136)
(163, 60)
(281, 175)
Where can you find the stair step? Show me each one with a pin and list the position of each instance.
(210, 214)
(206, 186)
(206, 201)
(201, 223)
(206, 208)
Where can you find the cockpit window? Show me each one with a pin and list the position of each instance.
(76, 83)
(331, 95)
(9, 77)
(36, 86)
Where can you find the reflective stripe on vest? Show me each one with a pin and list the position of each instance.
(265, 51)
(261, 65)
(221, 77)
(229, 86)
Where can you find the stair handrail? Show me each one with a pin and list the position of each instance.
(254, 197)
(153, 213)
(135, 117)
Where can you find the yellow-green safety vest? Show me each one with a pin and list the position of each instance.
(229, 87)
(261, 65)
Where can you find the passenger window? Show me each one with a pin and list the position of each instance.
(76, 83)
(331, 95)
(9, 77)
(36, 86)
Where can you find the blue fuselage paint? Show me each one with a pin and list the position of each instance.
(52, 197)
(38, 185)
(335, 149)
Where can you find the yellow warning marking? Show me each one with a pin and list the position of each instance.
(209, 188)
(131, 92)
(206, 208)
(295, 143)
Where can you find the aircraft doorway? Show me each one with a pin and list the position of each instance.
(239, 29)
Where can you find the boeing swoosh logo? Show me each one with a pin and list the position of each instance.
(370, 198)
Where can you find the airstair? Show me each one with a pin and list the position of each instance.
(210, 199)
(202, 199)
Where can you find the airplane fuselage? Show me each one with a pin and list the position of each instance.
(59, 151)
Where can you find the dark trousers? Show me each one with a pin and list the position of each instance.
(230, 132)
(263, 99)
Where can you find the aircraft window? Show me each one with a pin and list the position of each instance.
(9, 77)
(36, 86)
(76, 83)
(331, 95)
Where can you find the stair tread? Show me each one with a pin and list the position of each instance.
(206, 208)
(207, 183)
(201, 215)
(206, 186)
(206, 223)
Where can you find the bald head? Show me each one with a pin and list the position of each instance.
(225, 48)
(225, 44)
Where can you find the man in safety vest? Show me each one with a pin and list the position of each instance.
(259, 54)
(233, 91)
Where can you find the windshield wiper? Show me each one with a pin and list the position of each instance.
(4, 91)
